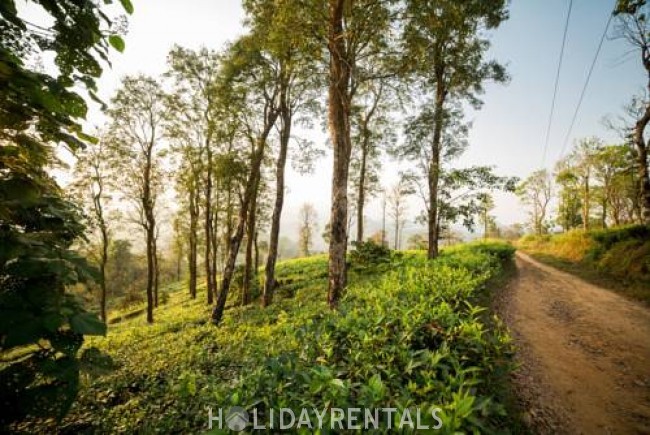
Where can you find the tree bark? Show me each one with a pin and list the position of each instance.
(209, 276)
(642, 165)
(103, 228)
(339, 116)
(150, 228)
(235, 240)
(271, 259)
(362, 184)
(192, 256)
(434, 166)
(250, 239)
(156, 271)
(585, 205)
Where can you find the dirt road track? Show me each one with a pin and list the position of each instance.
(584, 353)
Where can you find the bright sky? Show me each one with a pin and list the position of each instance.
(508, 132)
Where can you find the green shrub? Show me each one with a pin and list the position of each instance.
(369, 253)
(405, 335)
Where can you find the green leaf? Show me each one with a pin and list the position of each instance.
(87, 324)
(117, 42)
(128, 6)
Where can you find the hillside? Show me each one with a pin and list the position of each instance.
(407, 335)
(617, 258)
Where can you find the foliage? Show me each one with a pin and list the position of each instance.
(619, 255)
(368, 254)
(408, 336)
(41, 324)
(535, 191)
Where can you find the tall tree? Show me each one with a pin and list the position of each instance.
(535, 191)
(136, 132)
(634, 28)
(281, 28)
(94, 176)
(308, 217)
(486, 203)
(355, 30)
(570, 198)
(583, 157)
(371, 131)
(445, 51)
(397, 207)
(249, 82)
(38, 226)
(192, 125)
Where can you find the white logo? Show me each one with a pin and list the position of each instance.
(237, 418)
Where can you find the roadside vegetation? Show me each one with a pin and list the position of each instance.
(616, 258)
(409, 333)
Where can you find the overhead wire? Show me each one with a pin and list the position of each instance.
(586, 84)
(557, 82)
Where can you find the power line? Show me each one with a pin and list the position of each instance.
(584, 88)
(557, 82)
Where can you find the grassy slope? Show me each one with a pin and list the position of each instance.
(617, 259)
(405, 335)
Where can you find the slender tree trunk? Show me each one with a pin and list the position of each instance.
(215, 239)
(156, 271)
(365, 150)
(383, 222)
(362, 185)
(250, 240)
(257, 252)
(485, 224)
(193, 238)
(102, 269)
(642, 165)
(339, 117)
(434, 168)
(150, 275)
(585, 205)
(150, 228)
(99, 211)
(235, 240)
(271, 259)
(209, 276)
(396, 232)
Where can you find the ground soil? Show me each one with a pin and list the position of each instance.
(583, 351)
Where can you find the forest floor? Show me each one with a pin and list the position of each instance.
(584, 353)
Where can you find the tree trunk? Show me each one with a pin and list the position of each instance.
(396, 232)
(193, 237)
(383, 222)
(102, 268)
(585, 205)
(235, 240)
(150, 274)
(99, 211)
(257, 252)
(339, 117)
(271, 259)
(362, 184)
(156, 271)
(209, 276)
(215, 239)
(250, 239)
(150, 228)
(434, 167)
(642, 165)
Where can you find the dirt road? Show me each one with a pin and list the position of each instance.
(584, 353)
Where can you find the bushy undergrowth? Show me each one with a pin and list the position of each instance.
(407, 337)
(620, 253)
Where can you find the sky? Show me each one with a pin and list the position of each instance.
(508, 132)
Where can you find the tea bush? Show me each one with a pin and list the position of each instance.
(408, 337)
